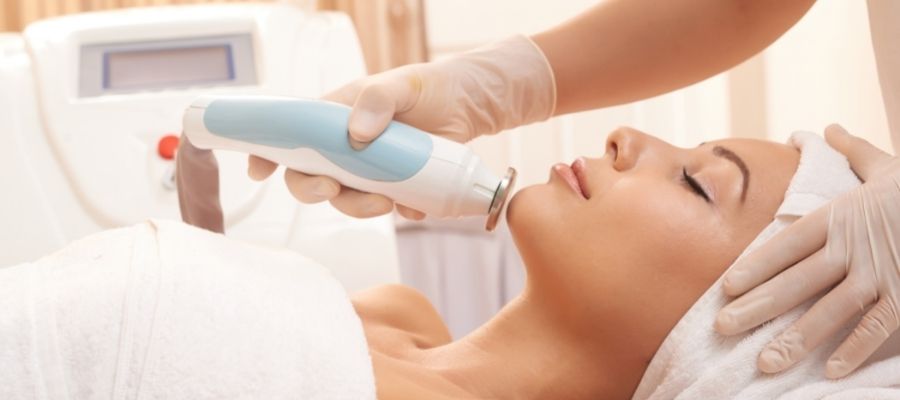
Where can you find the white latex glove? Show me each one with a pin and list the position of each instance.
(492, 88)
(852, 245)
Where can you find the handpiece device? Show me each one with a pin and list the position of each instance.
(434, 175)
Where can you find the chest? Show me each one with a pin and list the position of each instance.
(400, 366)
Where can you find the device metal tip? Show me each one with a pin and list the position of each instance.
(501, 195)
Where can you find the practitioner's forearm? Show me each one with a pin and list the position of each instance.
(625, 50)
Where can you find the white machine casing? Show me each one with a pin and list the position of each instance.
(73, 164)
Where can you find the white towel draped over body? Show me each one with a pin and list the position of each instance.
(694, 362)
(163, 310)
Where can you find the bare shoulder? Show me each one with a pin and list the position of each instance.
(403, 308)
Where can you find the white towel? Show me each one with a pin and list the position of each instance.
(694, 362)
(163, 310)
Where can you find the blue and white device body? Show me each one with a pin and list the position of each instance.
(437, 176)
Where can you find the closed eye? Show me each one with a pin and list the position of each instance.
(694, 186)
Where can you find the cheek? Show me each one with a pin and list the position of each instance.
(658, 217)
(663, 230)
(636, 230)
(644, 247)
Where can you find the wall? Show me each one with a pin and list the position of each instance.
(823, 71)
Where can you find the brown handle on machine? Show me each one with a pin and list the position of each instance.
(197, 179)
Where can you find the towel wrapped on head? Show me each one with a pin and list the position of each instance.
(695, 362)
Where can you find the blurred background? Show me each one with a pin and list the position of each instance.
(821, 71)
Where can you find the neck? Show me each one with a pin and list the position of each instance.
(525, 352)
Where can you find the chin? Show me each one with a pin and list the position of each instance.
(541, 223)
(535, 222)
(523, 210)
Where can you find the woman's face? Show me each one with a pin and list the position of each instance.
(637, 235)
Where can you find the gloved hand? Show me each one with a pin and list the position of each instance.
(489, 89)
(852, 244)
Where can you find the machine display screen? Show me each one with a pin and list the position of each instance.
(180, 64)
(174, 67)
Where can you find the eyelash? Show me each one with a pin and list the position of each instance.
(693, 185)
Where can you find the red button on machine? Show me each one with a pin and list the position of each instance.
(167, 146)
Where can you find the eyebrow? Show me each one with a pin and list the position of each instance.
(745, 172)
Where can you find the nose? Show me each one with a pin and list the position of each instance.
(624, 146)
(628, 146)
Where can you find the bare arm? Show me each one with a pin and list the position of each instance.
(625, 50)
(884, 30)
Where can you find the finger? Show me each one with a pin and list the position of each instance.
(865, 159)
(780, 294)
(260, 168)
(410, 213)
(819, 323)
(361, 204)
(309, 188)
(787, 247)
(875, 327)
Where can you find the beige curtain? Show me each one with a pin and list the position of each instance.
(16, 14)
(392, 32)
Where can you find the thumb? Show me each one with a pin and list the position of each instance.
(865, 159)
(372, 112)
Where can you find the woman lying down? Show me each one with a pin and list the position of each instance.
(623, 255)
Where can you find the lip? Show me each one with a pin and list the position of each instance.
(579, 167)
(569, 175)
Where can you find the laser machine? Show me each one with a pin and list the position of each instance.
(91, 109)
